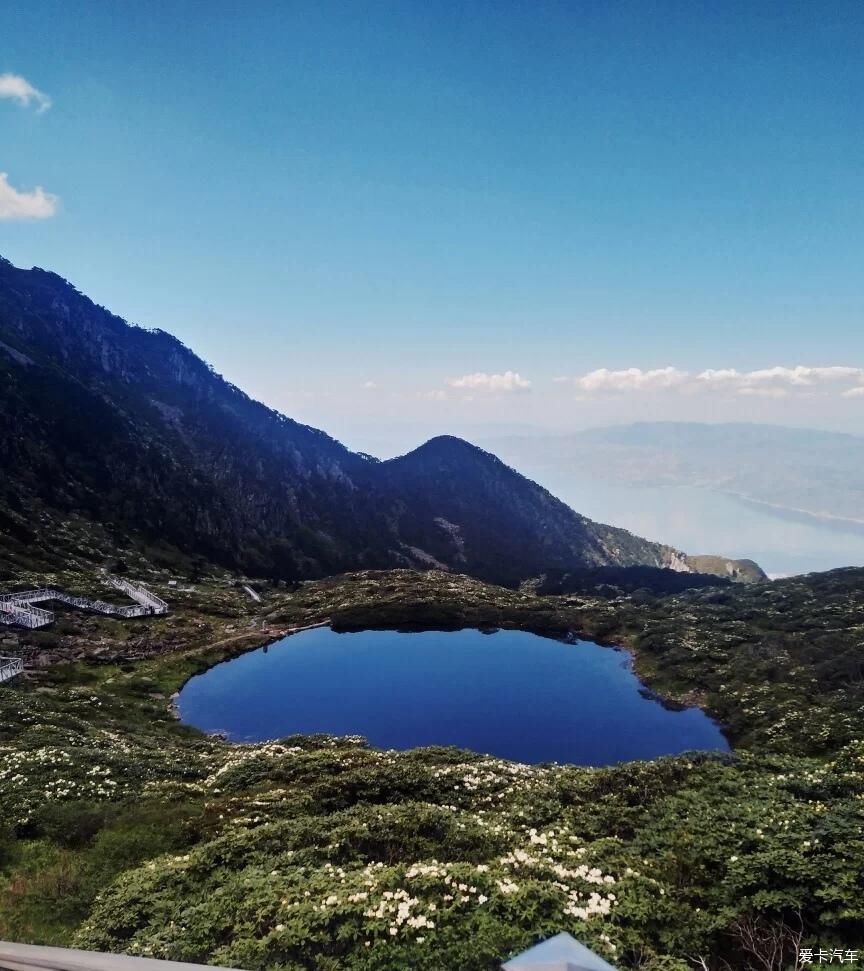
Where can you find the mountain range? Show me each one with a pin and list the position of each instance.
(125, 428)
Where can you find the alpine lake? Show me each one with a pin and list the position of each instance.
(509, 693)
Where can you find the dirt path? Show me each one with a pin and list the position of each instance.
(262, 633)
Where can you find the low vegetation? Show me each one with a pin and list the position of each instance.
(124, 830)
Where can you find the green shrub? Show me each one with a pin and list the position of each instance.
(72, 825)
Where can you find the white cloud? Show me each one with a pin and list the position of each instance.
(35, 204)
(795, 376)
(632, 379)
(437, 395)
(370, 385)
(21, 90)
(480, 381)
(773, 382)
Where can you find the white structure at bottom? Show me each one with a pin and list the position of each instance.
(31, 957)
(559, 953)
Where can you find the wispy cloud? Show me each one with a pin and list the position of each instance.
(19, 89)
(16, 204)
(773, 382)
(481, 381)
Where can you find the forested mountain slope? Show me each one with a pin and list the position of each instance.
(106, 423)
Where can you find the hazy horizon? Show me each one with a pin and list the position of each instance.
(385, 440)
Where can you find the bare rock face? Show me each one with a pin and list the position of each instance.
(740, 571)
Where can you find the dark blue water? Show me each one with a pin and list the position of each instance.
(511, 693)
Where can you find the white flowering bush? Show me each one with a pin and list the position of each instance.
(319, 852)
(311, 902)
(122, 831)
(649, 859)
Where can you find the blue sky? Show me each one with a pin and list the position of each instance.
(367, 214)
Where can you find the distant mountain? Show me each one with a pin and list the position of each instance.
(467, 509)
(125, 428)
(792, 472)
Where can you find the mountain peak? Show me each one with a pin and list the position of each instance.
(449, 448)
(163, 449)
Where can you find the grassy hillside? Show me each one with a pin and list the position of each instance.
(126, 831)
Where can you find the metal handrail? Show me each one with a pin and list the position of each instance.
(24, 615)
(10, 667)
(29, 957)
(140, 593)
(559, 953)
(18, 609)
(30, 596)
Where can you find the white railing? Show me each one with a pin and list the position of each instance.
(24, 615)
(29, 596)
(99, 606)
(10, 667)
(18, 609)
(29, 957)
(139, 593)
(555, 954)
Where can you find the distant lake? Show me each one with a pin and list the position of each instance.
(509, 693)
(703, 521)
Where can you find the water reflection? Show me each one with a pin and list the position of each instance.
(509, 693)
